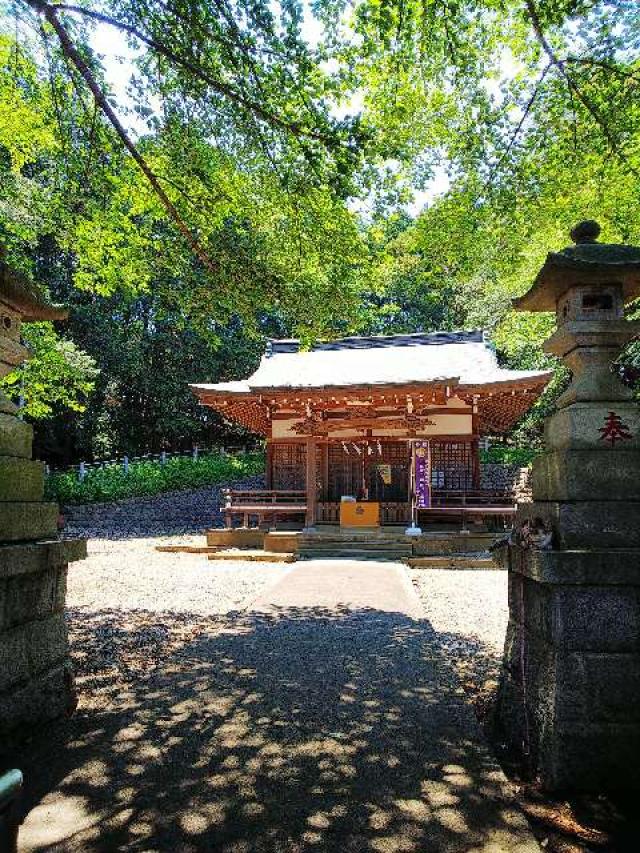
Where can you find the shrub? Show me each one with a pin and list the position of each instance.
(509, 455)
(110, 483)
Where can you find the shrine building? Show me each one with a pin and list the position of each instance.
(390, 424)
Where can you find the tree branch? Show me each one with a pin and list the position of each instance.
(586, 102)
(71, 52)
(220, 87)
(603, 66)
(519, 127)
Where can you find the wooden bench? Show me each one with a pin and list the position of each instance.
(474, 504)
(262, 504)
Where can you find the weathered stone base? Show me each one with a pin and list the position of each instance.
(36, 682)
(16, 437)
(568, 695)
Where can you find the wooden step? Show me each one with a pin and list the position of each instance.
(253, 556)
(187, 549)
(453, 561)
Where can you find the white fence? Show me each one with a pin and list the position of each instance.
(123, 462)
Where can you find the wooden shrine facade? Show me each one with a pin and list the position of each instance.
(331, 435)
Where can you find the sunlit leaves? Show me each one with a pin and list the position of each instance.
(58, 375)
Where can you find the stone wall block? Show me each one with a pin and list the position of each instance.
(620, 567)
(537, 612)
(46, 697)
(26, 558)
(513, 651)
(30, 597)
(578, 426)
(60, 590)
(614, 686)
(14, 660)
(573, 701)
(596, 754)
(588, 524)
(16, 437)
(499, 476)
(21, 479)
(28, 521)
(590, 618)
(29, 650)
(46, 643)
(613, 474)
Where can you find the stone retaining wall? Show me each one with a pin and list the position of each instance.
(36, 683)
(169, 513)
(499, 476)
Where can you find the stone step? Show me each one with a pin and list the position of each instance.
(400, 550)
(382, 555)
(307, 539)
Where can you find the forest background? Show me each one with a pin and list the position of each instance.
(276, 169)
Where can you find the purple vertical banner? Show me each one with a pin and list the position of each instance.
(422, 474)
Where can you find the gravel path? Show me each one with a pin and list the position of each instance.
(469, 612)
(187, 511)
(132, 575)
(130, 606)
(201, 720)
(291, 727)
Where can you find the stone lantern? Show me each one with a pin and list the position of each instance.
(35, 674)
(570, 690)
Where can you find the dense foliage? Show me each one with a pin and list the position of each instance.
(253, 181)
(505, 454)
(112, 483)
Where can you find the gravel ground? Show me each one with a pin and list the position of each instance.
(469, 612)
(171, 513)
(310, 724)
(129, 607)
(154, 635)
(132, 575)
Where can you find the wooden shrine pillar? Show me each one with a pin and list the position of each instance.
(269, 466)
(311, 483)
(475, 444)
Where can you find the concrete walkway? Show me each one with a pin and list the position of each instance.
(323, 720)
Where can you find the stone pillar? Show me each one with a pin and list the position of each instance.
(36, 682)
(570, 691)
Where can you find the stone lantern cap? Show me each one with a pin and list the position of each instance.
(587, 262)
(25, 298)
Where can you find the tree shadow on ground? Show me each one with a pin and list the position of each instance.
(300, 730)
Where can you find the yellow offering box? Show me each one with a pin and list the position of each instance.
(359, 514)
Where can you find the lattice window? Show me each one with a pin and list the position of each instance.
(344, 472)
(385, 475)
(288, 466)
(453, 465)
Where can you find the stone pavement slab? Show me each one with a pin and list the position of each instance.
(325, 719)
(351, 584)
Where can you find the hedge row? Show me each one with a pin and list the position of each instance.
(509, 455)
(111, 483)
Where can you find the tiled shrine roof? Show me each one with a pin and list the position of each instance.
(453, 358)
